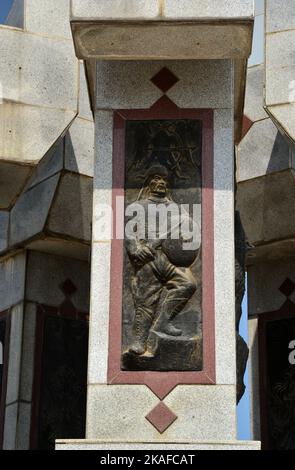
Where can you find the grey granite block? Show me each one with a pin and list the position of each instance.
(79, 147)
(99, 316)
(12, 180)
(28, 352)
(118, 412)
(280, 15)
(263, 150)
(10, 427)
(12, 281)
(84, 100)
(114, 9)
(205, 413)
(280, 67)
(254, 100)
(31, 65)
(4, 221)
(49, 165)
(50, 17)
(29, 143)
(29, 215)
(23, 426)
(70, 214)
(46, 273)
(15, 354)
(203, 9)
(224, 247)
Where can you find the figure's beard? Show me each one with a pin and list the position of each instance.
(158, 190)
(146, 193)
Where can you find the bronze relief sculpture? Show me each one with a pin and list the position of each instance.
(162, 269)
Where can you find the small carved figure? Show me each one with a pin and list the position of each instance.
(162, 282)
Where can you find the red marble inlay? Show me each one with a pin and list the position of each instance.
(287, 288)
(164, 79)
(68, 288)
(247, 124)
(162, 383)
(161, 417)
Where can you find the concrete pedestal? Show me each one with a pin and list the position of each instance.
(129, 446)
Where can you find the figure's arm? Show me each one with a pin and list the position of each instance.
(137, 249)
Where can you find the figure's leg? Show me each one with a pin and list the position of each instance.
(179, 288)
(146, 290)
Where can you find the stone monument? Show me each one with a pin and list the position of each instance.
(162, 357)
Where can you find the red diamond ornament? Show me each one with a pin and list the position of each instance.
(287, 288)
(161, 417)
(68, 287)
(164, 79)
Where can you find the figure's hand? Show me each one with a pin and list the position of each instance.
(143, 254)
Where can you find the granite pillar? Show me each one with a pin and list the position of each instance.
(143, 407)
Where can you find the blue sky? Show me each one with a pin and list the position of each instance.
(4, 9)
(256, 58)
(243, 417)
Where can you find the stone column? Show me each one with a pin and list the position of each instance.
(12, 281)
(143, 407)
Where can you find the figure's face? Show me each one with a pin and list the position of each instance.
(158, 185)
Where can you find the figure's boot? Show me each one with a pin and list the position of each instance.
(169, 329)
(165, 324)
(173, 303)
(141, 329)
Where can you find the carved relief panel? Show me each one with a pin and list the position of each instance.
(161, 327)
(162, 295)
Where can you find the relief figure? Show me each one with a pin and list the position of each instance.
(162, 282)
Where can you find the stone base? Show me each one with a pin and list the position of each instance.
(155, 446)
(167, 353)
